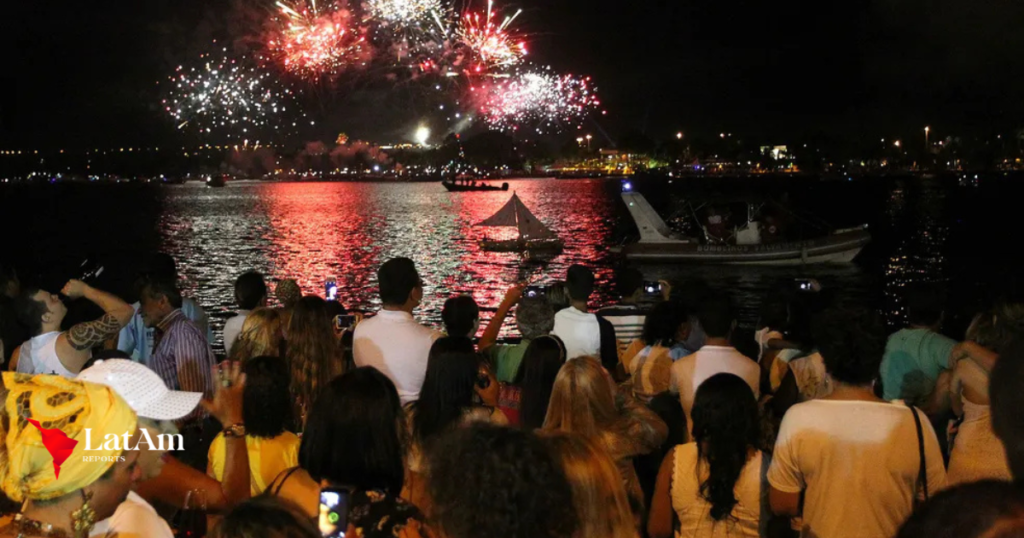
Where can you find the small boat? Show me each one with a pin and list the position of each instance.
(467, 186)
(217, 180)
(533, 234)
(659, 244)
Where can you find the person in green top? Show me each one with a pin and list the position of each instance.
(534, 318)
(916, 357)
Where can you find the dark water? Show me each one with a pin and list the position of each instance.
(923, 229)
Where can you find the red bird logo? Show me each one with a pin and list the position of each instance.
(59, 446)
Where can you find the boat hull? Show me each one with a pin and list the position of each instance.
(454, 187)
(518, 245)
(837, 248)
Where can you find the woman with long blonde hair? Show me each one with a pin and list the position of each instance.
(585, 401)
(312, 352)
(260, 336)
(598, 493)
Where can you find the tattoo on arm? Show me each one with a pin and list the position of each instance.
(91, 334)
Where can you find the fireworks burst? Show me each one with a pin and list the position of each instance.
(403, 12)
(224, 95)
(537, 99)
(316, 42)
(490, 43)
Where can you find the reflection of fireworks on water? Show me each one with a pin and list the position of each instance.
(316, 42)
(223, 94)
(489, 42)
(541, 100)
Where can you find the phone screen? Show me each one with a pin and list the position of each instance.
(333, 520)
(331, 290)
(344, 321)
(535, 291)
(652, 287)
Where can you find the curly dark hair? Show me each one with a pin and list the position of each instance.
(662, 325)
(452, 368)
(851, 342)
(518, 490)
(266, 402)
(265, 517)
(312, 351)
(725, 427)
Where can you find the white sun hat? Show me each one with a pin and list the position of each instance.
(142, 389)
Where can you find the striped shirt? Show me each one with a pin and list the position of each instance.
(628, 321)
(182, 357)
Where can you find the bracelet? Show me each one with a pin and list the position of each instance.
(235, 430)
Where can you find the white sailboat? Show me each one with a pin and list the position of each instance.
(533, 234)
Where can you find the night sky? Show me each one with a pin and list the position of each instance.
(78, 75)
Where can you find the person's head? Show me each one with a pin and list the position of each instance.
(1005, 384)
(558, 296)
(582, 400)
(56, 410)
(851, 343)
(725, 427)
(598, 493)
(266, 516)
(533, 500)
(925, 305)
(716, 315)
(534, 317)
(266, 401)
(158, 298)
(986, 509)
(400, 284)
(541, 363)
(353, 435)
(667, 324)
(10, 286)
(261, 334)
(39, 310)
(630, 284)
(288, 292)
(461, 316)
(996, 328)
(774, 312)
(579, 281)
(452, 380)
(161, 266)
(250, 290)
(311, 350)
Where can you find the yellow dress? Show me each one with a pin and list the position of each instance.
(267, 458)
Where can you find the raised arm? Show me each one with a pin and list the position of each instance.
(74, 346)
(982, 356)
(490, 335)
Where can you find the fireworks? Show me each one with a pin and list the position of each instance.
(536, 99)
(403, 12)
(317, 42)
(225, 95)
(490, 43)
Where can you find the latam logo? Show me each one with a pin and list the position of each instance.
(60, 446)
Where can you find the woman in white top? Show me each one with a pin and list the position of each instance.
(977, 453)
(715, 486)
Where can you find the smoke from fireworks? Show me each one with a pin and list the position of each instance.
(225, 95)
(490, 43)
(315, 42)
(541, 100)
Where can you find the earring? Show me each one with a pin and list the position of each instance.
(83, 519)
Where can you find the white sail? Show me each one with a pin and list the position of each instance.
(514, 213)
(506, 216)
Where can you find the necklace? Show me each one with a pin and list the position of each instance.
(29, 527)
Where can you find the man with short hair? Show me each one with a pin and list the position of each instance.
(583, 333)
(916, 356)
(50, 351)
(716, 356)
(136, 339)
(534, 318)
(250, 293)
(181, 355)
(392, 341)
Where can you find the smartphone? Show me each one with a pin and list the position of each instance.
(535, 291)
(652, 287)
(806, 284)
(333, 520)
(331, 290)
(344, 321)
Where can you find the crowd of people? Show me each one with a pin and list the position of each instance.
(654, 417)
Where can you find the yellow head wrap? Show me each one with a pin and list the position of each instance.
(26, 466)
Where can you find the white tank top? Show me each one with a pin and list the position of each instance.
(694, 511)
(39, 356)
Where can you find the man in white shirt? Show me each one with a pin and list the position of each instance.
(392, 341)
(717, 356)
(250, 293)
(577, 328)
